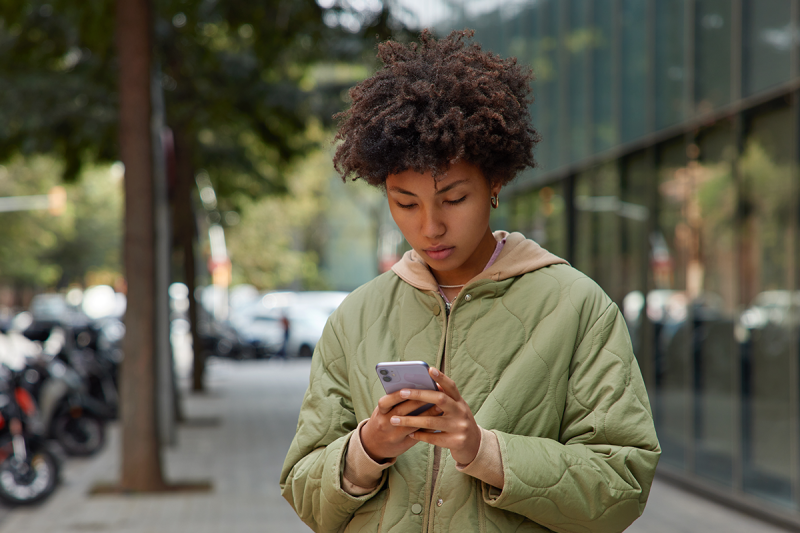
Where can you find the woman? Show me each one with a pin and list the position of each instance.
(541, 421)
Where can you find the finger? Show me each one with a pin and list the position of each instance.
(439, 398)
(408, 406)
(437, 439)
(433, 411)
(448, 385)
(388, 402)
(436, 423)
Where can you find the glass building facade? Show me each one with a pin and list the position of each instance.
(668, 172)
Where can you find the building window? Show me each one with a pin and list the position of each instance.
(712, 54)
(768, 39)
(670, 68)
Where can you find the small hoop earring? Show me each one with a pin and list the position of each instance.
(495, 201)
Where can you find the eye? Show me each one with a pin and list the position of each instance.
(454, 202)
(405, 206)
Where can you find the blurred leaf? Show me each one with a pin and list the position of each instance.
(42, 250)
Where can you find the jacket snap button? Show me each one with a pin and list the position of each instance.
(439, 502)
(416, 508)
(468, 297)
(437, 310)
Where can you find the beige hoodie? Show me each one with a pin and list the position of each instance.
(518, 256)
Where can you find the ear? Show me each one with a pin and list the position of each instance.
(495, 190)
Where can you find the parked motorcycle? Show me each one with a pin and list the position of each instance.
(69, 414)
(28, 470)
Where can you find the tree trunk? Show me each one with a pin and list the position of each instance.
(141, 460)
(185, 234)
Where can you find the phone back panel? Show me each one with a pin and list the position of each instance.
(404, 375)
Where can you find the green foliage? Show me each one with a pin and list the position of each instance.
(236, 80)
(46, 251)
(231, 74)
(58, 81)
(277, 243)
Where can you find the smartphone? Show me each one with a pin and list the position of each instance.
(406, 375)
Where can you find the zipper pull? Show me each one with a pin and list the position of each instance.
(447, 308)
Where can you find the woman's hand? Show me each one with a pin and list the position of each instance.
(457, 428)
(382, 440)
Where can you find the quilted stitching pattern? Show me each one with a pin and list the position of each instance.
(543, 359)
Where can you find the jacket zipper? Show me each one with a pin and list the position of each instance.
(437, 454)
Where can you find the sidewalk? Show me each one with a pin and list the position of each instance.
(236, 438)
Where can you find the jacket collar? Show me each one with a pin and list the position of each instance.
(519, 256)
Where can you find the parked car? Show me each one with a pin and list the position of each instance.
(260, 322)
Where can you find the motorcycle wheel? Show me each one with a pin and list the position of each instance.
(29, 481)
(79, 436)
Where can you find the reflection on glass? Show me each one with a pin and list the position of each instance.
(713, 54)
(539, 215)
(669, 68)
(768, 41)
(437, 14)
(636, 189)
(715, 348)
(692, 311)
(767, 328)
(598, 212)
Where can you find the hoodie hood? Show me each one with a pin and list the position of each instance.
(518, 256)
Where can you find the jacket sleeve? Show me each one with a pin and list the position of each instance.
(597, 476)
(312, 472)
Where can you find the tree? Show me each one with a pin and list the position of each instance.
(141, 458)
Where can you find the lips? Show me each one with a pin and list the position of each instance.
(439, 252)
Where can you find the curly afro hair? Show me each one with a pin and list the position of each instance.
(433, 104)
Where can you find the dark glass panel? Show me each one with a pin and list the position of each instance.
(605, 130)
(768, 40)
(666, 310)
(637, 177)
(768, 335)
(579, 42)
(545, 88)
(598, 219)
(713, 54)
(670, 70)
(633, 88)
(710, 217)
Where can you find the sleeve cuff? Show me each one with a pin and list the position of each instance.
(361, 474)
(488, 463)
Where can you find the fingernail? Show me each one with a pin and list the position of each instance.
(435, 372)
(395, 420)
(405, 393)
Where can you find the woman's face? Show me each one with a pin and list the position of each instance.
(446, 222)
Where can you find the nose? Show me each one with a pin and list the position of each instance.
(433, 225)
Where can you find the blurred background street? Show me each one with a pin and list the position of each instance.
(173, 237)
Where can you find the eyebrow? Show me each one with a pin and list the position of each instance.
(439, 191)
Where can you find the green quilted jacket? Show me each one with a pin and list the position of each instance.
(544, 360)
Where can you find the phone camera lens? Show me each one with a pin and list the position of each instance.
(387, 379)
(384, 372)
